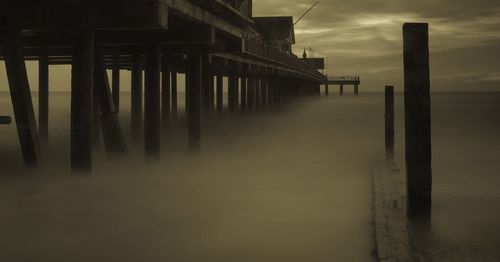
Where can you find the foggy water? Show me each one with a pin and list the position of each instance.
(291, 183)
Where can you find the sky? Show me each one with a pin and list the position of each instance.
(364, 37)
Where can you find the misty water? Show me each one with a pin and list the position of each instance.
(287, 183)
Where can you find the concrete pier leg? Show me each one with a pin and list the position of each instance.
(152, 68)
(174, 93)
(341, 90)
(417, 119)
(243, 92)
(389, 123)
(356, 90)
(21, 99)
(166, 102)
(194, 112)
(116, 83)
(43, 98)
(82, 81)
(136, 95)
(219, 93)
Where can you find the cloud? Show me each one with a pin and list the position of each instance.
(366, 35)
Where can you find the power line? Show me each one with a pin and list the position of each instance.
(306, 12)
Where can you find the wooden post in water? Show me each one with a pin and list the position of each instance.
(251, 92)
(115, 82)
(389, 123)
(136, 97)
(195, 68)
(244, 92)
(21, 99)
(82, 82)
(341, 90)
(417, 119)
(205, 87)
(174, 92)
(166, 102)
(43, 98)
(326, 89)
(232, 86)
(219, 93)
(152, 68)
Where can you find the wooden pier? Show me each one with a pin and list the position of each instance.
(342, 81)
(157, 38)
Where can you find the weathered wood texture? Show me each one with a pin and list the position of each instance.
(389, 123)
(417, 119)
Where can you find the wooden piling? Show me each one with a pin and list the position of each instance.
(252, 82)
(136, 97)
(82, 100)
(232, 86)
(21, 99)
(356, 90)
(108, 121)
(116, 83)
(417, 119)
(341, 90)
(219, 93)
(194, 112)
(243, 97)
(174, 92)
(206, 74)
(166, 102)
(389, 123)
(152, 68)
(326, 90)
(43, 98)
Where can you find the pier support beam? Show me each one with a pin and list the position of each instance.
(195, 67)
(152, 68)
(356, 90)
(136, 97)
(166, 104)
(417, 119)
(219, 93)
(116, 83)
(326, 90)
(43, 98)
(21, 99)
(389, 123)
(174, 92)
(252, 82)
(205, 80)
(232, 93)
(82, 82)
(243, 92)
(341, 90)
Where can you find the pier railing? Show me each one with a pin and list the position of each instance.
(344, 78)
(278, 56)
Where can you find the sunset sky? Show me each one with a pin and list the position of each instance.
(365, 37)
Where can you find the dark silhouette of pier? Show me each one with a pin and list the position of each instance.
(155, 40)
(342, 81)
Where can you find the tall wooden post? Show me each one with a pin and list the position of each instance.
(21, 99)
(243, 92)
(219, 93)
(166, 104)
(194, 112)
(232, 86)
(116, 83)
(82, 82)
(417, 119)
(136, 96)
(152, 101)
(174, 92)
(43, 98)
(389, 123)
